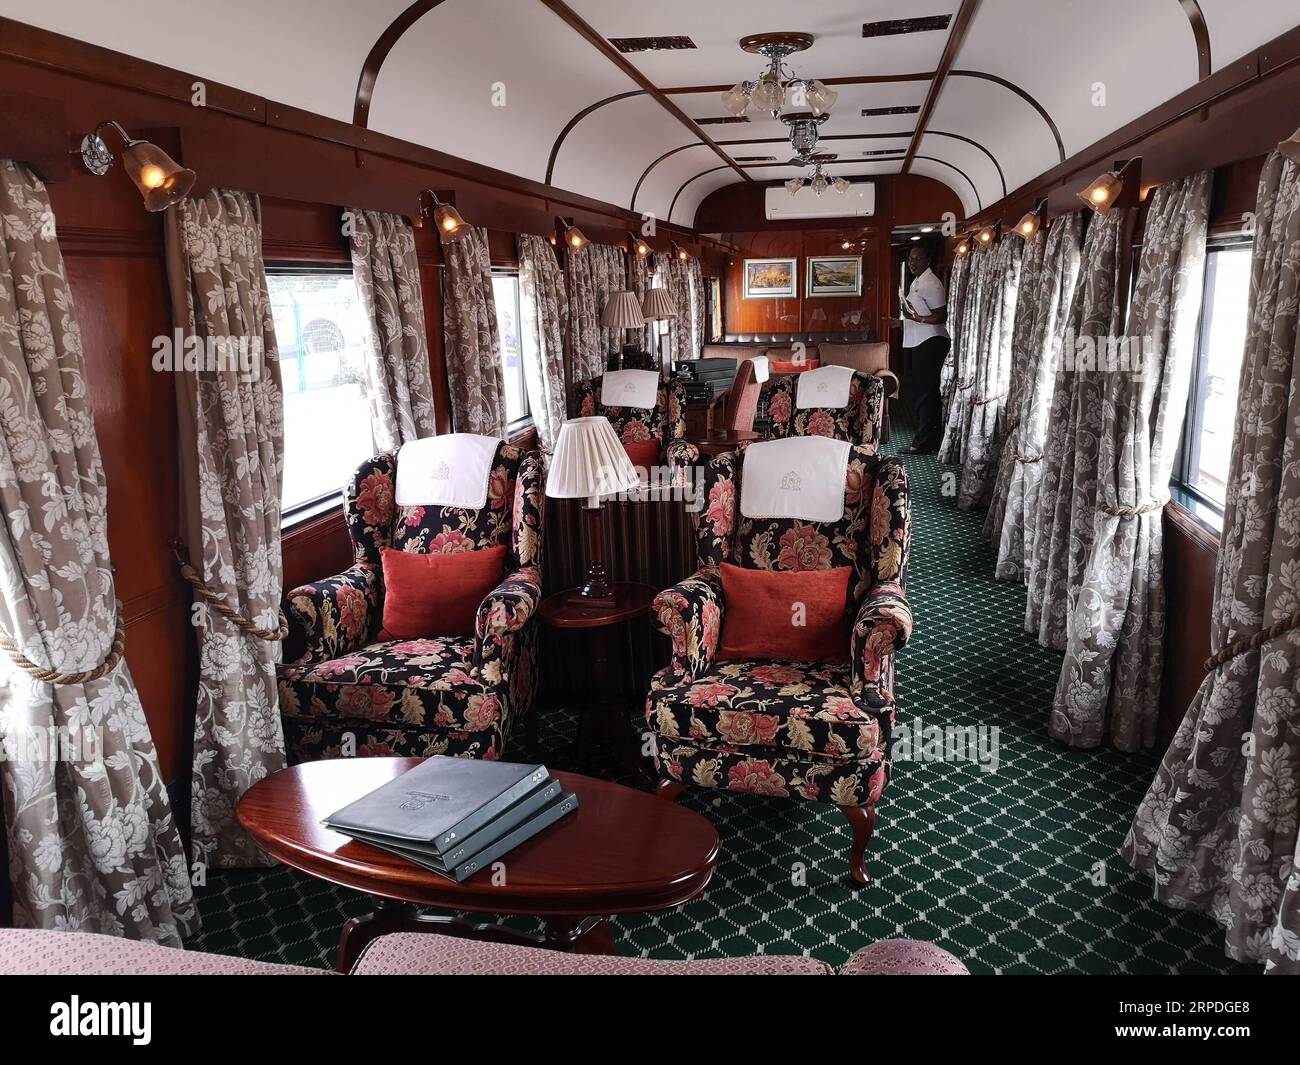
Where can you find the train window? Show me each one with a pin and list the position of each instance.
(1201, 472)
(505, 291)
(321, 329)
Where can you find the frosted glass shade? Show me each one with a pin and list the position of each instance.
(589, 462)
(622, 311)
(657, 306)
(160, 179)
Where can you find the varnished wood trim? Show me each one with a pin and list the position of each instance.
(985, 76)
(582, 27)
(712, 170)
(135, 243)
(1193, 530)
(379, 52)
(1201, 34)
(568, 126)
(646, 172)
(960, 25)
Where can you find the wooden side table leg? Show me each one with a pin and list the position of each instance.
(360, 931)
(670, 789)
(585, 935)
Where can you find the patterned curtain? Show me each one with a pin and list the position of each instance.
(592, 274)
(673, 272)
(471, 341)
(545, 311)
(91, 841)
(1115, 656)
(966, 342)
(387, 271)
(232, 464)
(1067, 501)
(1022, 457)
(992, 375)
(639, 275)
(1217, 830)
(958, 285)
(699, 327)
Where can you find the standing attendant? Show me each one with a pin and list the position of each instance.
(925, 346)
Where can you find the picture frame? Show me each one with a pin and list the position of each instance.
(771, 279)
(834, 275)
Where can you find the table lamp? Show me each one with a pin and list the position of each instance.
(657, 306)
(590, 462)
(622, 311)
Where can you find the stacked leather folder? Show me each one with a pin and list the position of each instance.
(455, 816)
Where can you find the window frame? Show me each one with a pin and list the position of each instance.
(525, 421)
(310, 509)
(1205, 510)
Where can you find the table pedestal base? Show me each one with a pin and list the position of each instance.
(573, 935)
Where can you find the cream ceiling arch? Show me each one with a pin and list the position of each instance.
(998, 93)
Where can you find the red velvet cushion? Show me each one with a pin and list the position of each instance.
(644, 453)
(437, 595)
(761, 616)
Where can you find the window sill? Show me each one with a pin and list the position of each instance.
(307, 513)
(1194, 518)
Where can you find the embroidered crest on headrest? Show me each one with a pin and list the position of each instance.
(791, 482)
(441, 472)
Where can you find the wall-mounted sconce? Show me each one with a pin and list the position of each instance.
(161, 180)
(679, 251)
(1031, 221)
(1102, 192)
(636, 244)
(963, 246)
(574, 238)
(1291, 147)
(988, 233)
(448, 221)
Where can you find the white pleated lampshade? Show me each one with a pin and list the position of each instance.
(622, 311)
(589, 462)
(657, 305)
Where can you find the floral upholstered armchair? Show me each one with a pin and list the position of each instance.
(665, 422)
(858, 421)
(445, 695)
(818, 731)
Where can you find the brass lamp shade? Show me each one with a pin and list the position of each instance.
(575, 239)
(622, 311)
(657, 305)
(160, 179)
(1102, 193)
(451, 226)
(1028, 225)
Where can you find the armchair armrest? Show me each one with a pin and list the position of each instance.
(680, 455)
(690, 612)
(510, 604)
(332, 617)
(882, 627)
(891, 382)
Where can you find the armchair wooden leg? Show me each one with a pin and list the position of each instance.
(670, 789)
(863, 820)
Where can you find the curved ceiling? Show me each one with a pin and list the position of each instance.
(999, 93)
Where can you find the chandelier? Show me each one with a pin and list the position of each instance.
(769, 92)
(819, 182)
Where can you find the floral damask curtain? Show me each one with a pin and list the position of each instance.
(673, 273)
(639, 276)
(966, 341)
(1217, 830)
(699, 327)
(387, 272)
(545, 310)
(991, 376)
(1115, 656)
(1048, 307)
(92, 843)
(1068, 492)
(592, 274)
(958, 285)
(472, 342)
(232, 464)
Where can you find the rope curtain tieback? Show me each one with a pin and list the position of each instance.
(1133, 512)
(202, 591)
(54, 676)
(988, 399)
(1252, 643)
(1031, 458)
(966, 386)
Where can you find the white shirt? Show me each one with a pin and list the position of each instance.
(926, 296)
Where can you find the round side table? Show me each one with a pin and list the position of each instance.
(605, 621)
(720, 441)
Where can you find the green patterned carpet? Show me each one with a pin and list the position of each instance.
(1013, 871)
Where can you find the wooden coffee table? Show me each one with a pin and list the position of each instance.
(622, 851)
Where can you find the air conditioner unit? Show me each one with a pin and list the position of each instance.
(858, 201)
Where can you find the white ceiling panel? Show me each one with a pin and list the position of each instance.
(1239, 26)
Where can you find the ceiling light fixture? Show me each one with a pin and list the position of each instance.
(768, 92)
(1102, 192)
(161, 180)
(819, 182)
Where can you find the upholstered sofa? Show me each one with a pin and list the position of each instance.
(818, 731)
(448, 695)
(27, 952)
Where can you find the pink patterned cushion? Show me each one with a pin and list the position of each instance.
(36, 952)
(422, 954)
(903, 957)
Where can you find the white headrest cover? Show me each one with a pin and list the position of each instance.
(445, 471)
(799, 477)
(826, 386)
(630, 388)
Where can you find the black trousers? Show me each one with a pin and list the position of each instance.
(922, 366)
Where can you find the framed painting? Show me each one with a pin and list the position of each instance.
(767, 279)
(834, 275)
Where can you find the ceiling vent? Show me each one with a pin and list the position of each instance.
(755, 158)
(894, 26)
(857, 201)
(899, 109)
(726, 120)
(627, 45)
(885, 151)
